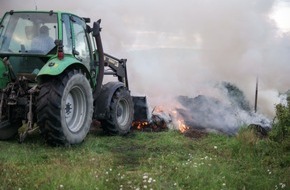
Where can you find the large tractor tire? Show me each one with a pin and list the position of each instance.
(121, 113)
(65, 109)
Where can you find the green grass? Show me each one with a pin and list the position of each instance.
(165, 160)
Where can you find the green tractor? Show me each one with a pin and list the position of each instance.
(52, 67)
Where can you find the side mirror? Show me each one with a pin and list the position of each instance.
(96, 28)
(87, 20)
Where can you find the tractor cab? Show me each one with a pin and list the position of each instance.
(31, 38)
(28, 33)
(27, 39)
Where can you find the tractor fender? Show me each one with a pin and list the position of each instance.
(102, 102)
(56, 66)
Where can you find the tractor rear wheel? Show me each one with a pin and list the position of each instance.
(65, 109)
(121, 113)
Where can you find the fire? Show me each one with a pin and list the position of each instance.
(181, 126)
(161, 119)
(139, 124)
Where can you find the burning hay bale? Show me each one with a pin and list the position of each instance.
(207, 114)
(225, 116)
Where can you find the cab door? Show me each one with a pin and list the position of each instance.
(82, 49)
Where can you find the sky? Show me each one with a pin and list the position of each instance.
(186, 47)
(281, 14)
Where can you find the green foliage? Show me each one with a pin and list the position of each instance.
(165, 160)
(281, 129)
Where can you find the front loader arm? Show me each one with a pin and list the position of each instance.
(118, 68)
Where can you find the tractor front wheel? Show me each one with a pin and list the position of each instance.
(121, 113)
(65, 108)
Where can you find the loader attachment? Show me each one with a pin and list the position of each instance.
(141, 112)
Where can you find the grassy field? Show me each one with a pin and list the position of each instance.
(164, 160)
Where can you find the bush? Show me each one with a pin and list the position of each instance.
(281, 128)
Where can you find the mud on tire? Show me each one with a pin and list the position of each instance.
(65, 108)
(121, 113)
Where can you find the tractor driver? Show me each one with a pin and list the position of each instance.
(43, 41)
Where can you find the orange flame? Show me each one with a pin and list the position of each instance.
(139, 124)
(181, 126)
(173, 114)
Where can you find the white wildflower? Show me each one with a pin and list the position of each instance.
(150, 180)
(283, 185)
(215, 147)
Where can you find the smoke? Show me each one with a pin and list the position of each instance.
(182, 47)
(225, 115)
